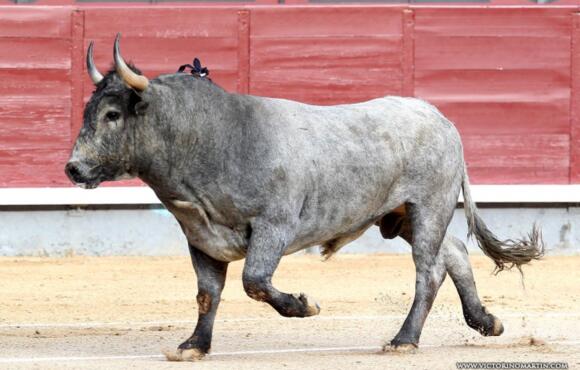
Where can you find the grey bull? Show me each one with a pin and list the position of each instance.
(259, 178)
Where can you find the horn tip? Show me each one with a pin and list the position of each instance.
(95, 75)
(116, 45)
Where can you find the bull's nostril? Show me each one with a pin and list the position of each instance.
(73, 172)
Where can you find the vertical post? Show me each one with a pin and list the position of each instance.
(574, 100)
(408, 55)
(243, 51)
(77, 74)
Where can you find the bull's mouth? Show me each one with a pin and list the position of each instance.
(87, 185)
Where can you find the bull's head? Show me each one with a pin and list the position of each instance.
(104, 149)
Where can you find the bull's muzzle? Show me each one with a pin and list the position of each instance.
(80, 175)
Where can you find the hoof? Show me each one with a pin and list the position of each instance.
(401, 348)
(497, 327)
(192, 354)
(486, 324)
(311, 307)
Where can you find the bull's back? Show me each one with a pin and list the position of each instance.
(382, 138)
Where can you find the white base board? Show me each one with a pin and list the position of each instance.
(143, 195)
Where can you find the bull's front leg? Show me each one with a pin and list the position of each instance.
(211, 277)
(266, 248)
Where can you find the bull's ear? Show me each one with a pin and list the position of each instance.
(141, 107)
(137, 105)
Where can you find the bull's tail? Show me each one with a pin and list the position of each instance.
(507, 253)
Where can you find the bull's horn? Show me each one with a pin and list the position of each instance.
(131, 78)
(96, 76)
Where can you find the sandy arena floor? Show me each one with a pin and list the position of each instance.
(121, 312)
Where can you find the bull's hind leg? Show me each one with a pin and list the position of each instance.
(428, 223)
(453, 259)
(211, 277)
(458, 266)
(267, 246)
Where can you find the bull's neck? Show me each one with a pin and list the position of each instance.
(181, 135)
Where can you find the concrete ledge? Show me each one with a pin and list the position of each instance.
(151, 230)
(509, 194)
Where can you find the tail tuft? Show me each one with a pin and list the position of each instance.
(509, 253)
(506, 254)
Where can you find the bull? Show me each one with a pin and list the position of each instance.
(259, 178)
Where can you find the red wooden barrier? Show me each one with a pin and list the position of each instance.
(503, 77)
(507, 77)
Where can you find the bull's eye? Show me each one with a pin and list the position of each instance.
(113, 116)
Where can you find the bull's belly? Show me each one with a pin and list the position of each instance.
(218, 242)
(324, 236)
(226, 244)
(346, 224)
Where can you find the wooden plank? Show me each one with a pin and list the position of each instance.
(319, 51)
(17, 82)
(325, 21)
(485, 21)
(331, 85)
(500, 52)
(505, 117)
(161, 23)
(515, 159)
(33, 167)
(34, 53)
(35, 22)
(30, 122)
(539, 2)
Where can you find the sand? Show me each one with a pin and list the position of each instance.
(77, 312)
